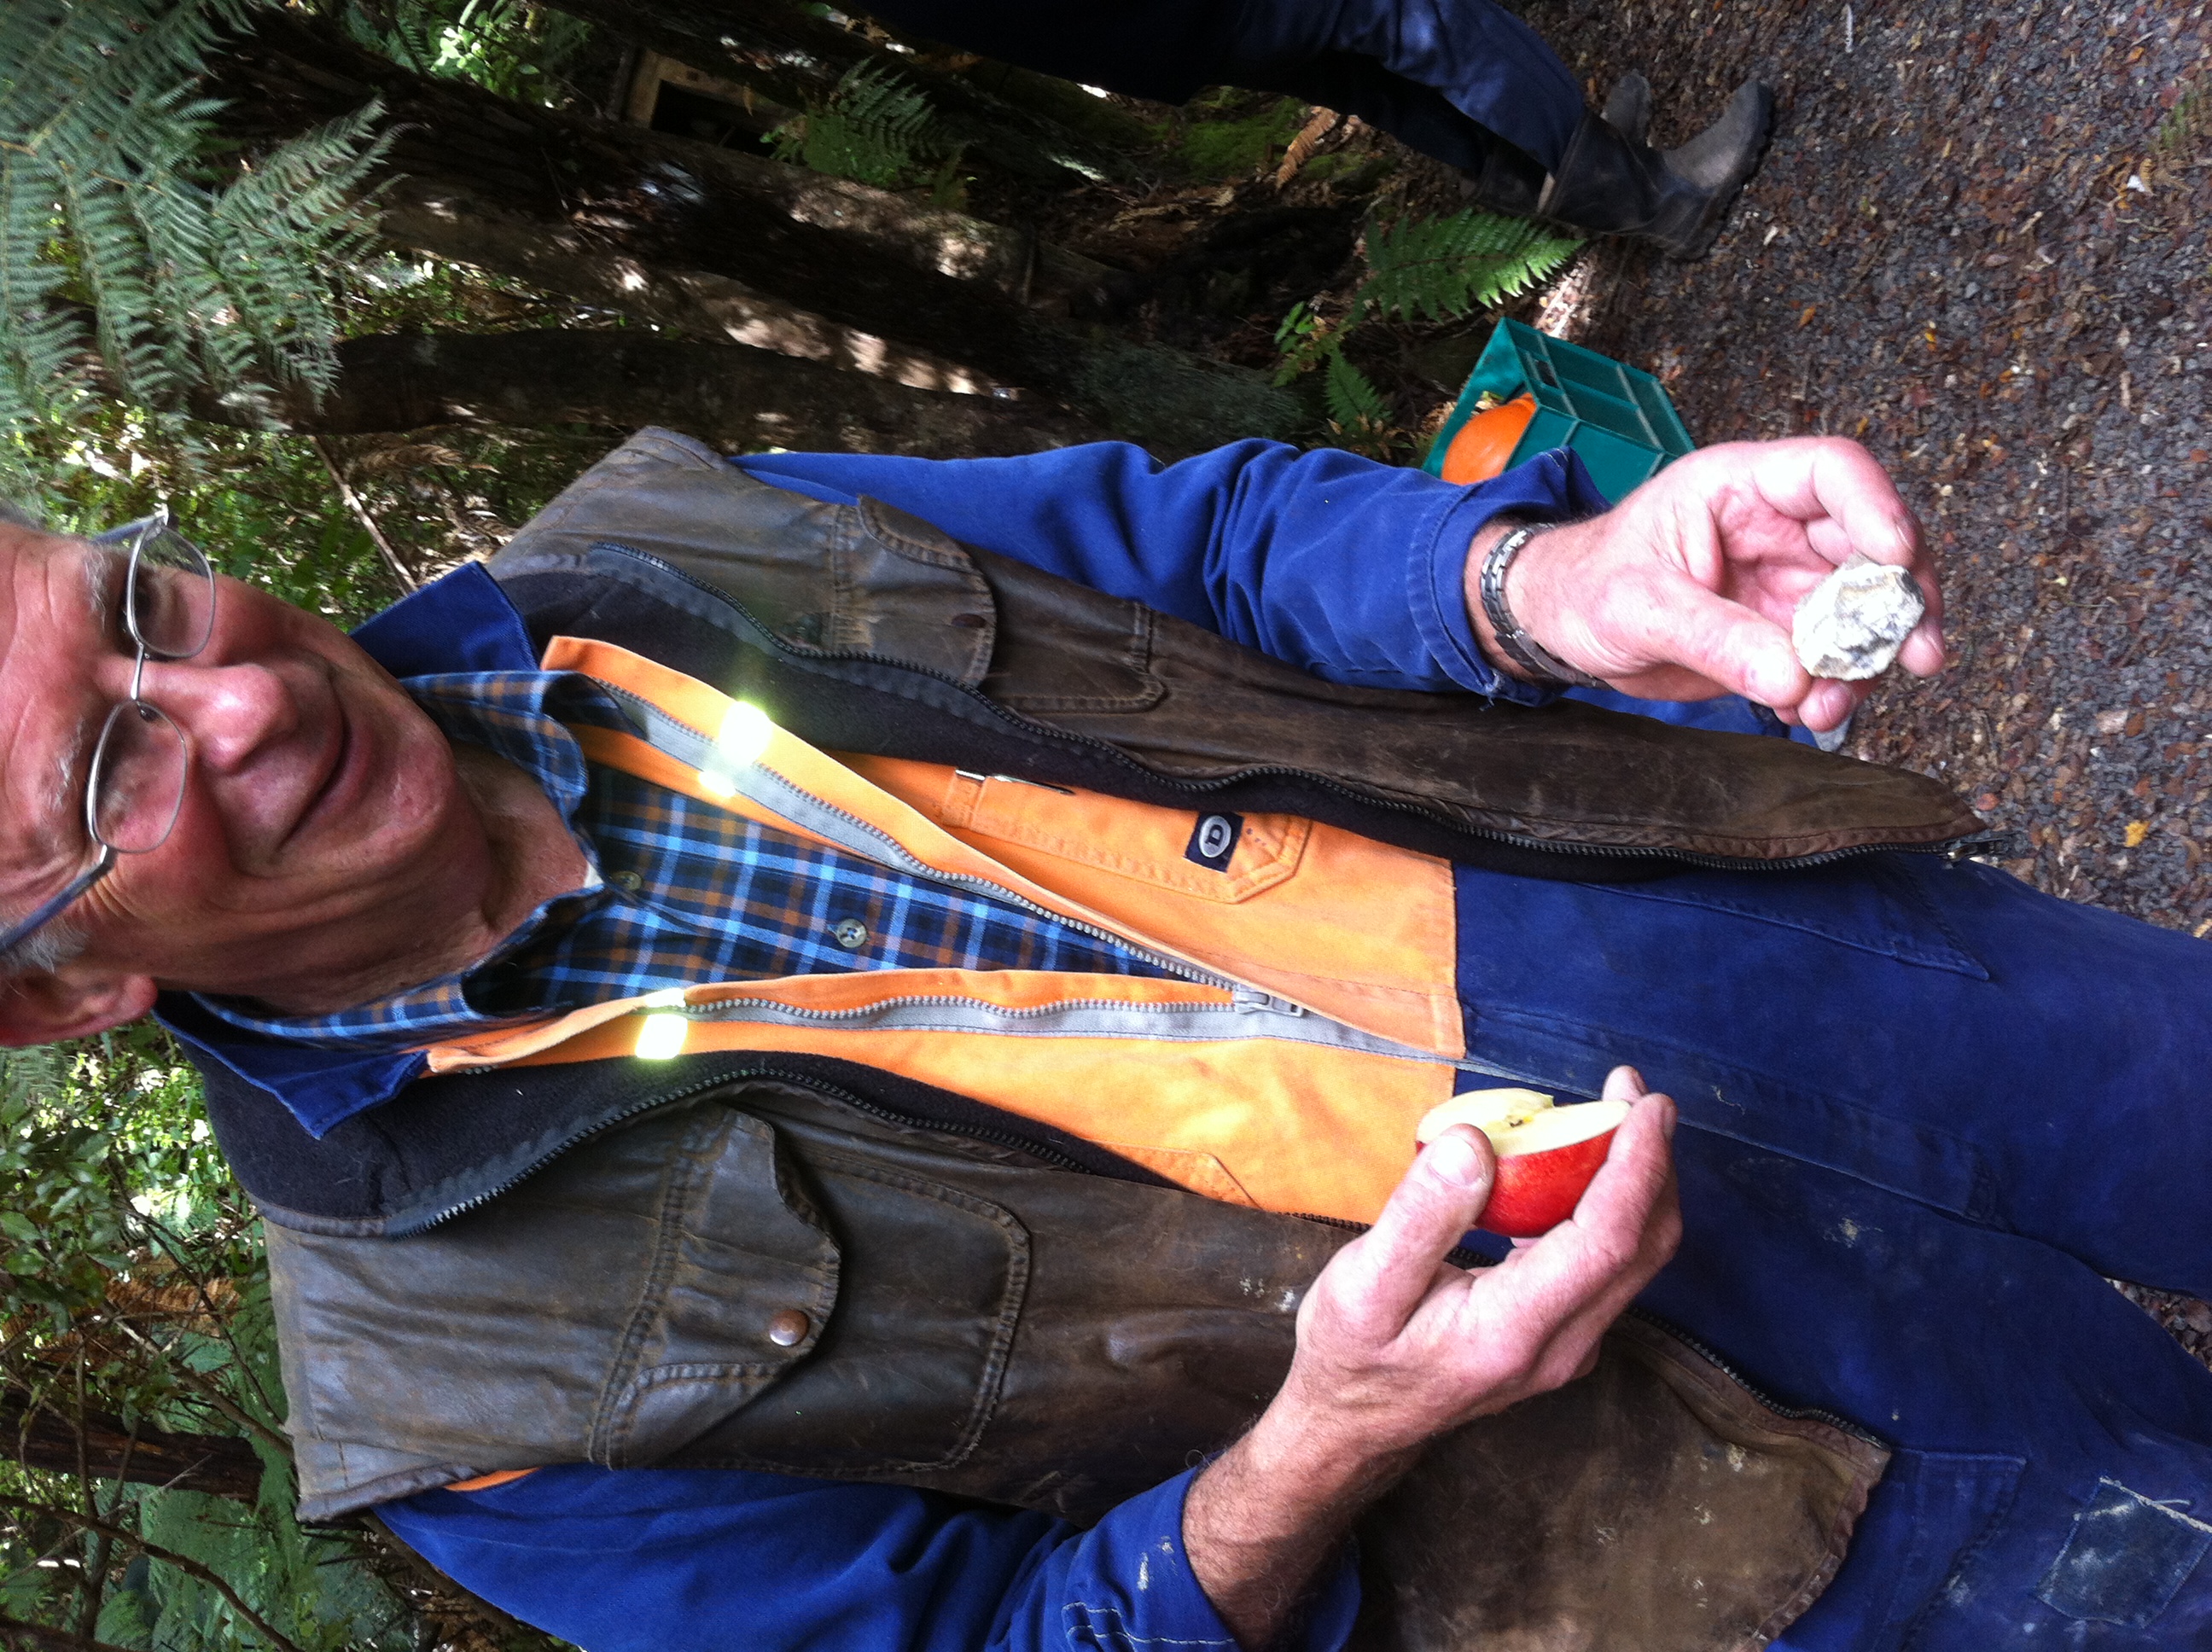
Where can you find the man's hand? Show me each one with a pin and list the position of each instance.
(1396, 1346)
(1686, 589)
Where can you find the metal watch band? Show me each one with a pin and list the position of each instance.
(1530, 655)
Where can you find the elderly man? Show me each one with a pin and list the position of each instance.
(724, 1192)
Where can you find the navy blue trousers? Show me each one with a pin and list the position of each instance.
(1449, 77)
(1924, 1107)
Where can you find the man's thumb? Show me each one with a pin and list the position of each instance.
(1438, 1202)
(1727, 643)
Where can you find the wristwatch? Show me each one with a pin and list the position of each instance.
(1547, 669)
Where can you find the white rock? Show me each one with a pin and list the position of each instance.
(1851, 624)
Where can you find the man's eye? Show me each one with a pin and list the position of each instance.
(150, 602)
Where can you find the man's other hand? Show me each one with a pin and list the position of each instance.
(1396, 1346)
(1687, 588)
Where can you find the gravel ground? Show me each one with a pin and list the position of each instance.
(1980, 246)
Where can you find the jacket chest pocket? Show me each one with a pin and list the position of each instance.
(879, 1351)
(908, 1373)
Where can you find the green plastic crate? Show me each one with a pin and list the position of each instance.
(1619, 419)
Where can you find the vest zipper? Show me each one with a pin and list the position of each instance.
(948, 1001)
(1955, 849)
(914, 865)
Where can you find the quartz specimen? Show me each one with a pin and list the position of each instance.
(1851, 624)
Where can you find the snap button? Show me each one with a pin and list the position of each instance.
(789, 1328)
(629, 880)
(969, 622)
(850, 933)
(1215, 836)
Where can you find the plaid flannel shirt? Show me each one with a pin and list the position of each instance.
(676, 892)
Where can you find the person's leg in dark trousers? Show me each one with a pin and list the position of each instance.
(1469, 82)
(1463, 80)
(1451, 77)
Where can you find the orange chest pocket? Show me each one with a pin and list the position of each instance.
(1351, 928)
(1214, 856)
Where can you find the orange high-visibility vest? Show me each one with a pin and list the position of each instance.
(1312, 1023)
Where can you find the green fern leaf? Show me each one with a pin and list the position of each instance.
(119, 259)
(1441, 268)
(1354, 404)
(874, 129)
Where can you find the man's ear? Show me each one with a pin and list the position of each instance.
(72, 1002)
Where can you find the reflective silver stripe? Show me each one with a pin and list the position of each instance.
(1074, 1018)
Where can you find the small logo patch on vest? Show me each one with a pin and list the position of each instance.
(1213, 841)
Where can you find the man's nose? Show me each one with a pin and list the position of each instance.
(231, 712)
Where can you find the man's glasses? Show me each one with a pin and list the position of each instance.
(135, 787)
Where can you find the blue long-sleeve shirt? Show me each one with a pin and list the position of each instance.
(1351, 570)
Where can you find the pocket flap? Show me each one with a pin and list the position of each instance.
(1216, 856)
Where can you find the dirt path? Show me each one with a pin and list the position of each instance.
(1945, 257)
(1979, 244)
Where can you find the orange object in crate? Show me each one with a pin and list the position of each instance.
(1484, 444)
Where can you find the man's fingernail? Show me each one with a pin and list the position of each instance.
(1452, 1157)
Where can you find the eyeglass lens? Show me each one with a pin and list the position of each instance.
(136, 785)
(169, 605)
(137, 779)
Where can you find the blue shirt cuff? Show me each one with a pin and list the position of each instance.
(1552, 487)
(1137, 1592)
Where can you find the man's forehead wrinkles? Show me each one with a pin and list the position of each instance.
(95, 566)
(46, 829)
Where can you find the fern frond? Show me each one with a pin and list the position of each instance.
(1441, 269)
(517, 48)
(874, 129)
(42, 347)
(1353, 402)
(115, 249)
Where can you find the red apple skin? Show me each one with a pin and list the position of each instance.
(1535, 1192)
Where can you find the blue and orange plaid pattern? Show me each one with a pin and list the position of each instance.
(679, 892)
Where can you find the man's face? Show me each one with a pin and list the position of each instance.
(323, 827)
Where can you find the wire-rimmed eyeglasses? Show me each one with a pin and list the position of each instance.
(135, 787)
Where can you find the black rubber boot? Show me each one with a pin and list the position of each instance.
(1511, 181)
(1610, 184)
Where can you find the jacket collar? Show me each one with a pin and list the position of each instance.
(462, 622)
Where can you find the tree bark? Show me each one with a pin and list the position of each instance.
(615, 214)
(797, 58)
(737, 399)
(37, 1436)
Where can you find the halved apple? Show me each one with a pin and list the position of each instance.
(1547, 1155)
